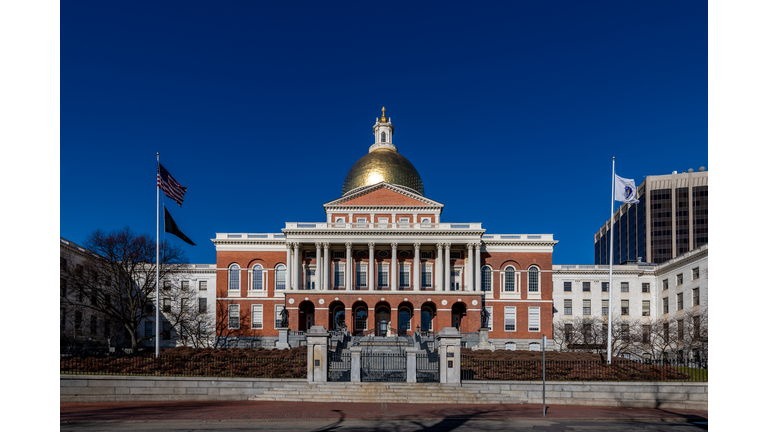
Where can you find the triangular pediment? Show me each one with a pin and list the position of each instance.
(383, 195)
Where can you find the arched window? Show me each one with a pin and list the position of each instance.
(427, 314)
(338, 317)
(485, 278)
(510, 346)
(257, 278)
(280, 277)
(234, 277)
(404, 319)
(383, 137)
(533, 279)
(361, 318)
(534, 346)
(509, 279)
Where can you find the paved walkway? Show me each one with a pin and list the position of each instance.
(255, 410)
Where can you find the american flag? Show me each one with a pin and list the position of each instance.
(169, 185)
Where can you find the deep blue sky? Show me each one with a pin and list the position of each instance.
(510, 111)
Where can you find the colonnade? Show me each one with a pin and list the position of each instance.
(441, 271)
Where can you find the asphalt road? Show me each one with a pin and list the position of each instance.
(388, 425)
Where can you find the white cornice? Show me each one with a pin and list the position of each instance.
(368, 189)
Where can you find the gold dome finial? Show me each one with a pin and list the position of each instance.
(383, 119)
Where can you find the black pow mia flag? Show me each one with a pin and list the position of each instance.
(170, 227)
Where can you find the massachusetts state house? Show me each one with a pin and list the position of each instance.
(383, 254)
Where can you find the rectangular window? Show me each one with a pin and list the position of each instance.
(383, 222)
(257, 316)
(455, 280)
(280, 277)
(680, 279)
(585, 286)
(625, 307)
(455, 255)
(149, 329)
(625, 287)
(202, 285)
(426, 255)
(426, 276)
(338, 274)
(646, 334)
(646, 308)
(695, 296)
(695, 273)
(361, 274)
(665, 328)
(568, 332)
(509, 318)
(566, 286)
(605, 286)
(361, 222)
(665, 304)
(587, 307)
(680, 330)
(278, 315)
(383, 275)
(166, 285)
(646, 287)
(233, 316)
(696, 324)
(680, 301)
(166, 330)
(489, 309)
(185, 285)
(665, 284)
(605, 307)
(625, 332)
(339, 255)
(405, 276)
(534, 313)
(567, 307)
(202, 305)
(166, 304)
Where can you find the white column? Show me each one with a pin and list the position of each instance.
(447, 270)
(393, 269)
(470, 268)
(477, 267)
(297, 267)
(439, 268)
(326, 268)
(349, 268)
(371, 264)
(416, 267)
(318, 265)
(288, 266)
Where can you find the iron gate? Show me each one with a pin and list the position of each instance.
(339, 365)
(428, 367)
(383, 366)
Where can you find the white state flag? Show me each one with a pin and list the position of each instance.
(625, 190)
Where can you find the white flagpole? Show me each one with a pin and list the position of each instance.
(157, 277)
(610, 268)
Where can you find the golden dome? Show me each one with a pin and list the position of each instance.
(383, 165)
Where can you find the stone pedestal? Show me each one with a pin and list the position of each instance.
(317, 354)
(282, 339)
(484, 344)
(354, 366)
(410, 369)
(449, 340)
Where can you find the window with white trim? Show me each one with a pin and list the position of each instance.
(646, 287)
(534, 319)
(510, 346)
(280, 277)
(695, 273)
(489, 309)
(202, 305)
(185, 285)
(234, 277)
(202, 285)
(604, 286)
(567, 307)
(426, 276)
(455, 280)
(665, 284)
(510, 319)
(625, 307)
(566, 286)
(680, 279)
(587, 307)
(233, 316)
(405, 276)
(605, 307)
(680, 301)
(361, 222)
(625, 287)
(486, 277)
(695, 296)
(338, 274)
(340, 220)
(426, 220)
(533, 279)
(257, 278)
(361, 274)
(382, 223)
(509, 279)
(646, 308)
(383, 270)
(426, 255)
(257, 316)
(585, 286)
(534, 346)
(339, 254)
(361, 318)
(278, 315)
(665, 304)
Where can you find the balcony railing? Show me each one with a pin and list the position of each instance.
(378, 225)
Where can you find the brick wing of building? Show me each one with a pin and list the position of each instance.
(382, 254)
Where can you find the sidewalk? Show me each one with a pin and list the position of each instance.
(257, 410)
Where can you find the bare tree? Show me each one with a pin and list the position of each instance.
(118, 278)
(186, 314)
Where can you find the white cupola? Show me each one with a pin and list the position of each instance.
(382, 132)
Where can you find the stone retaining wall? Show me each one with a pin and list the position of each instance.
(105, 388)
(662, 395)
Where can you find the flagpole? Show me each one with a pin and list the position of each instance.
(157, 276)
(610, 267)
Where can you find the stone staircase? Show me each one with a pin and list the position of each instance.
(376, 392)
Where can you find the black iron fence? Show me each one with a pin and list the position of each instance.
(192, 366)
(427, 367)
(618, 370)
(382, 366)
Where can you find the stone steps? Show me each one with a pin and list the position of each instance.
(385, 392)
